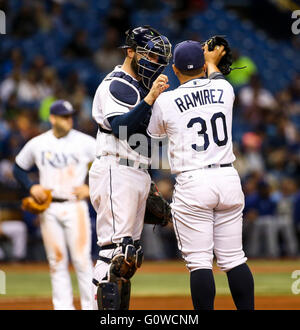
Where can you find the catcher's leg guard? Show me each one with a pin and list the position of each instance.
(108, 296)
(126, 263)
(114, 292)
(139, 258)
(125, 295)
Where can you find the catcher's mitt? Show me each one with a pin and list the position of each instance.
(158, 210)
(29, 204)
(227, 60)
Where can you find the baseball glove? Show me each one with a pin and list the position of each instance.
(29, 203)
(158, 210)
(227, 60)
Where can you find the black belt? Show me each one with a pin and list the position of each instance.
(59, 200)
(210, 166)
(222, 165)
(103, 130)
(110, 246)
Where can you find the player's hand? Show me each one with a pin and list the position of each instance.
(81, 192)
(38, 193)
(159, 86)
(214, 57)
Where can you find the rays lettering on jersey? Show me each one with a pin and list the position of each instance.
(200, 97)
(58, 160)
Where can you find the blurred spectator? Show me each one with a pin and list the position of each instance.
(296, 216)
(25, 22)
(241, 163)
(241, 77)
(38, 65)
(56, 16)
(48, 81)
(182, 10)
(13, 62)
(147, 4)
(263, 240)
(109, 55)
(78, 47)
(82, 103)
(251, 144)
(29, 89)
(13, 240)
(23, 128)
(250, 211)
(58, 93)
(42, 17)
(4, 6)
(118, 17)
(254, 98)
(6, 174)
(294, 90)
(10, 85)
(284, 217)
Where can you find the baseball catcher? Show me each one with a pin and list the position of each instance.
(119, 177)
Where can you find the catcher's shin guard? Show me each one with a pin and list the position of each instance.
(125, 264)
(114, 292)
(125, 295)
(108, 295)
(113, 295)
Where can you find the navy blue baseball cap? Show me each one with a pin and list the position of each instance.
(188, 55)
(62, 108)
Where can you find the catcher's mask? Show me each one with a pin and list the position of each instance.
(148, 43)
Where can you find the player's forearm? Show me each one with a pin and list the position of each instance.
(133, 120)
(211, 68)
(22, 177)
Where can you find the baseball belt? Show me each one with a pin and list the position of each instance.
(60, 200)
(128, 162)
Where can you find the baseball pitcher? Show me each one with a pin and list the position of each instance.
(61, 155)
(118, 179)
(208, 200)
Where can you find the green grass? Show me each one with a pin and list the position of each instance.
(178, 284)
(37, 284)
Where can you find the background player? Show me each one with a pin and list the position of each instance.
(208, 200)
(62, 155)
(118, 179)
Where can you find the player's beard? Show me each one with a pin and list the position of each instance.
(134, 65)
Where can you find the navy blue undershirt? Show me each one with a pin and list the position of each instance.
(135, 120)
(22, 177)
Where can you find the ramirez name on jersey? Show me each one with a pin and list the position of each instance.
(200, 97)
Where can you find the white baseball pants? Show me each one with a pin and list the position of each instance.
(67, 226)
(207, 217)
(118, 194)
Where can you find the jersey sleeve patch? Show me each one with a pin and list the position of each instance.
(123, 93)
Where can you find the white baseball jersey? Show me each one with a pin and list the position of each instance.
(197, 118)
(62, 164)
(106, 105)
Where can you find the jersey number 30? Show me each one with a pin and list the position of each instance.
(203, 131)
